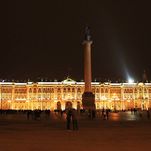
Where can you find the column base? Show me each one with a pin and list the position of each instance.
(88, 100)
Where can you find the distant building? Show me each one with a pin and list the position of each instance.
(60, 95)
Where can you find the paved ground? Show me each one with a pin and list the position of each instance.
(123, 132)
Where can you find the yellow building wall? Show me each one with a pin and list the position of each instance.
(119, 96)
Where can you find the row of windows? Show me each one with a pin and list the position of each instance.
(68, 89)
(35, 90)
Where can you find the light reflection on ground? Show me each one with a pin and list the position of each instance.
(128, 116)
(114, 116)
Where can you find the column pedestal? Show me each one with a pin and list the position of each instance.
(88, 101)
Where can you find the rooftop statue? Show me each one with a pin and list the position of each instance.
(87, 34)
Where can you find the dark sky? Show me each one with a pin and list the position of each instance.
(44, 39)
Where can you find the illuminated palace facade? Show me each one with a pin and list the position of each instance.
(59, 95)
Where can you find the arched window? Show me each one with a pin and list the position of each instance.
(93, 90)
(64, 89)
(34, 90)
(52, 90)
(79, 90)
(58, 90)
(30, 90)
(39, 90)
(73, 90)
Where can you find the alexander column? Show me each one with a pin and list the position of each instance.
(88, 98)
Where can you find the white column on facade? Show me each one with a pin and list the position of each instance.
(13, 96)
(31, 96)
(27, 97)
(39, 100)
(1, 95)
(133, 97)
(148, 98)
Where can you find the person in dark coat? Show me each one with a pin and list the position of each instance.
(74, 119)
(107, 114)
(28, 114)
(69, 114)
(148, 114)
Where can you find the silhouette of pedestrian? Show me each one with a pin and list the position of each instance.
(135, 111)
(47, 114)
(107, 114)
(69, 114)
(90, 114)
(28, 114)
(93, 114)
(148, 114)
(140, 114)
(131, 111)
(104, 114)
(74, 119)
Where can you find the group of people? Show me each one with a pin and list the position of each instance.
(105, 114)
(36, 114)
(33, 114)
(71, 119)
(140, 112)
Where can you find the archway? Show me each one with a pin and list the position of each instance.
(78, 105)
(58, 106)
(68, 105)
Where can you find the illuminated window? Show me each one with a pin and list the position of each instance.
(30, 90)
(73, 90)
(34, 90)
(64, 90)
(58, 90)
(97, 90)
(79, 90)
(39, 90)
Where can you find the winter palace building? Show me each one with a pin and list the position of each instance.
(59, 95)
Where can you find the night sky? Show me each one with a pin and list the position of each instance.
(44, 39)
